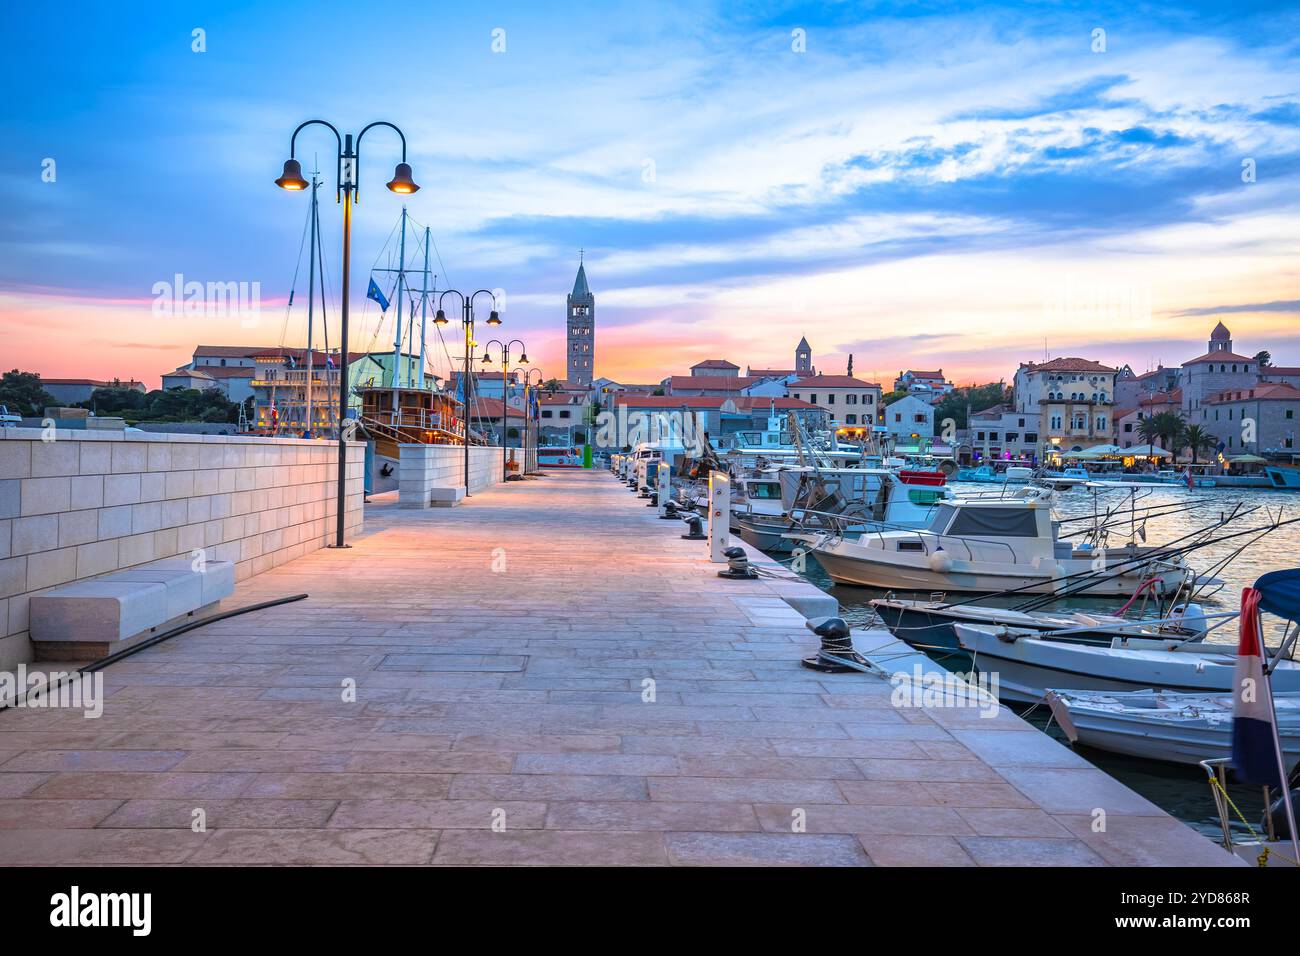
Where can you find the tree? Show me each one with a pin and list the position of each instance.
(552, 385)
(22, 394)
(1197, 439)
(115, 399)
(1264, 358)
(1170, 428)
(1148, 430)
(977, 397)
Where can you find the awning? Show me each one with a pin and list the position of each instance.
(1247, 459)
(1281, 593)
(1147, 451)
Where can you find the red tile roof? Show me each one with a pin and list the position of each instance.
(833, 381)
(124, 383)
(730, 383)
(715, 363)
(772, 372)
(1218, 357)
(1265, 391)
(1070, 364)
(743, 403)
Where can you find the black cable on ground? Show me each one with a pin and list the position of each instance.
(165, 636)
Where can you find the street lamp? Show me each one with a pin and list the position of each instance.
(467, 323)
(529, 387)
(505, 407)
(347, 191)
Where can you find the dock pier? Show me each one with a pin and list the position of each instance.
(549, 675)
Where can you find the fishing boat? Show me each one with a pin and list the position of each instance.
(1169, 726)
(1027, 663)
(987, 545)
(1288, 478)
(931, 624)
(768, 507)
(987, 474)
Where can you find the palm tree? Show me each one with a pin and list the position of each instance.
(1170, 428)
(551, 385)
(1148, 430)
(1198, 439)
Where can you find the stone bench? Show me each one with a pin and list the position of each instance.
(447, 497)
(89, 619)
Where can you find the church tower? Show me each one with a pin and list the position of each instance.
(803, 358)
(1220, 339)
(581, 330)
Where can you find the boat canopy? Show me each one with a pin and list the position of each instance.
(1280, 593)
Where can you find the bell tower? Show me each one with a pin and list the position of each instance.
(581, 328)
(803, 358)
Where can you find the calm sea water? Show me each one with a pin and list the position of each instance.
(1181, 791)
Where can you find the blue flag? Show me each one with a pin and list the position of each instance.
(374, 293)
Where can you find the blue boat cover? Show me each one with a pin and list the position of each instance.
(1281, 593)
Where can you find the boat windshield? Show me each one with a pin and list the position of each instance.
(763, 489)
(995, 522)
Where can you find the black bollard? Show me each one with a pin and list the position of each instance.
(836, 655)
(738, 567)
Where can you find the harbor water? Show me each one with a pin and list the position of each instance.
(1179, 790)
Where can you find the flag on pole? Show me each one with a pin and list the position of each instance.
(374, 292)
(1254, 754)
(329, 361)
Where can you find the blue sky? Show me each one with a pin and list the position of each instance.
(923, 184)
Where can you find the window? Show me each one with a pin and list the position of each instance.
(1290, 413)
(1031, 438)
(546, 413)
(919, 419)
(812, 398)
(868, 400)
(1012, 436)
(830, 399)
(898, 416)
(564, 413)
(850, 399)
(850, 419)
(1021, 423)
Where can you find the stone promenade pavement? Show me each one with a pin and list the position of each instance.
(500, 654)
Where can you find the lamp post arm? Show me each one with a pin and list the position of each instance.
(338, 167)
(357, 151)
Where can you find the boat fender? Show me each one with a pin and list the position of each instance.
(939, 562)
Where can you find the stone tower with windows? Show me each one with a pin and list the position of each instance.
(803, 358)
(581, 330)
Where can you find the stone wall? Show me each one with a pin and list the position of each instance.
(424, 467)
(87, 503)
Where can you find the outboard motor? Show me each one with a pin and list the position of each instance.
(1190, 617)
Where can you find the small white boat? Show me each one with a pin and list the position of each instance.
(985, 545)
(1163, 725)
(1028, 663)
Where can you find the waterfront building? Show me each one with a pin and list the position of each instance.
(74, 391)
(1128, 420)
(1073, 397)
(846, 400)
(1259, 420)
(1220, 369)
(1130, 387)
(909, 419)
(234, 382)
(695, 384)
(581, 330)
(1003, 432)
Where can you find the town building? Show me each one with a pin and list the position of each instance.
(908, 419)
(721, 416)
(1130, 387)
(1219, 370)
(581, 330)
(1073, 397)
(929, 383)
(74, 391)
(846, 400)
(1259, 420)
(715, 368)
(1128, 421)
(1003, 432)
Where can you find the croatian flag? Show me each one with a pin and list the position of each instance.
(1254, 753)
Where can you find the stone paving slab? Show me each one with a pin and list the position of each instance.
(547, 675)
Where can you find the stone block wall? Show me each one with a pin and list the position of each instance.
(425, 467)
(89, 502)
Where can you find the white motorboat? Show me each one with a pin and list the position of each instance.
(1163, 725)
(985, 545)
(1028, 664)
(930, 624)
(768, 507)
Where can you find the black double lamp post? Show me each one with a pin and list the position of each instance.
(529, 387)
(347, 191)
(467, 323)
(505, 391)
